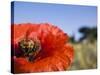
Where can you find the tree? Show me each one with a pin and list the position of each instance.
(89, 34)
(72, 39)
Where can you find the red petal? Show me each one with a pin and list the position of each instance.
(55, 54)
(57, 62)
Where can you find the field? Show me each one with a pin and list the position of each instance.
(85, 56)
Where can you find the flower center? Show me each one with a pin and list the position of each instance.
(30, 48)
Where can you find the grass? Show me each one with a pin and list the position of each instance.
(85, 56)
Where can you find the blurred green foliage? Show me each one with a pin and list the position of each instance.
(88, 33)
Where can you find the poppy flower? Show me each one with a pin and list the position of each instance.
(40, 48)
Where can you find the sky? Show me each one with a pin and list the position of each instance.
(67, 17)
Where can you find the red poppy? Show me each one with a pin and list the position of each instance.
(40, 48)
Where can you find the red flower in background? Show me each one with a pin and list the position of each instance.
(40, 48)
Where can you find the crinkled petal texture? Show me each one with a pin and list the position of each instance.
(55, 55)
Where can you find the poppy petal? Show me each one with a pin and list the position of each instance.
(55, 55)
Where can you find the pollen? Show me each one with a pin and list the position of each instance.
(30, 48)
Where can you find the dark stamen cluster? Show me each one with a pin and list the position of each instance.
(29, 48)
